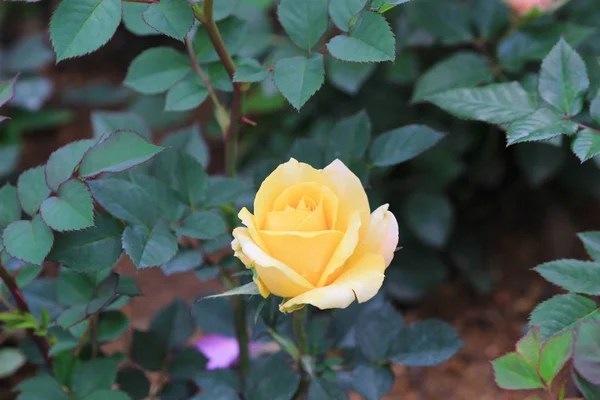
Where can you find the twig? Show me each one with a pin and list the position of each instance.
(22, 305)
(582, 126)
(189, 45)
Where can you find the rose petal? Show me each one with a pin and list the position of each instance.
(382, 236)
(361, 280)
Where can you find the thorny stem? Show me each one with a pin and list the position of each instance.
(22, 305)
(299, 331)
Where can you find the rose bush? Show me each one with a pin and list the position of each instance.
(524, 6)
(312, 238)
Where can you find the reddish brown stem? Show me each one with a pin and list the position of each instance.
(22, 305)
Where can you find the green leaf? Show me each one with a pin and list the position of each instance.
(586, 354)
(448, 21)
(402, 144)
(27, 273)
(93, 375)
(348, 77)
(430, 217)
(298, 78)
(185, 260)
(184, 174)
(586, 145)
(10, 210)
(343, 11)
(189, 141)
(234, 33)
(169, 206)
(555, 353)
(125, 200)
(562, 313)
(11, 360)
(595, 109)
(29, 241)
(529, 346)
(320, 389)
(149, 248)
(148, 351)
(117, 152)
(591, 242)
(224, 8)
(62, 162)
(497, 104)
(372, 382)
(134, 382)
(250, 70)
(273, 379)
(156, 70)
(349, 139)
(224, 191)
(29, 54)
(133, 20)
(108, 395)
(79, 27)
(490, 16)
(187, 94)
(32, 189)
(387, 324)
(370, 40)
(111, 326)
(425, 343)
(31, 388)
(94, 249)
(72, 209)
(450, 74)
(173, 18)
(186, 364)
(104, 122)
(7, 91)
(202, 225)
(587, 389)
(214, 316)
(541, 125)
(572, 275)
(514, 372)
(563, 79)
(74, 288)
(304, 22)
(249, 289)
(173, 325)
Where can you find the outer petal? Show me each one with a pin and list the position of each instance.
(285, 176)
(382, 236)
(278, 278)
(361, 280)
(351, 195)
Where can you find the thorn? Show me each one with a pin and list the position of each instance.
(248, 121)
(271, 69)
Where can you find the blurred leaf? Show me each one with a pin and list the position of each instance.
(272, 379)
(490, 16)
(31, 388)
(541, 125)
(125, 200)
(497, 104)
(448, 21)
(94, 94)
(189, 141)
(384, 324)
(218, 393)
(29, 241)
(27, 273)
(425, 343)
(514, 372)
(32, 93)
(93, 375)
(572, 275)
(350, 138)
(185, 260)
(321, 389)
(404, 70)
(342, 12)
(539, 161)
(430, 217)
(562, 313)
(468, 255)
(450, 74)
(233, 31)
(72, 208)
(11, 360)
(348, 77)
(298, 78)
(169, 205)
(10, 210)
(304, 22)
(148, 350)
(224, 8)
(186, 94)
(133, 20)
(372, 382)
(132, 380)
(402, 144)
(117, 152)
(202, 225)
(249, 70)
(595, 109)
(32, 189)
(591, 241)
(79, 27)
(563, 79)
(586, 353)
(156, 70)
(173, 324)
(369, 40)
(108, 394)
(152, 110)
(224, 191)
(62, 162)
(555, 353)
(214, 316)
(9, 156)
(104, 122)
(74, 288)
(173, 18)
(93, 249)
(149, 248)
(186, 364)
(29, 54)
(7, 90)
(111, 325)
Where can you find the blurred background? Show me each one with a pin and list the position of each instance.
(475, 216)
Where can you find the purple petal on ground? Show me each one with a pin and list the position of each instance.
(221, 351)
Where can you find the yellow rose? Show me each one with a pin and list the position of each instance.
(312, 238)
